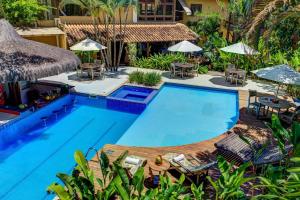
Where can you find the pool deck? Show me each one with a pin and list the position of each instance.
(113, 80)
(247, 125)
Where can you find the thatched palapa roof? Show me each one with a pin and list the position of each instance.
(22, 59)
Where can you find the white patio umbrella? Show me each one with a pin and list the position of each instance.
(240, 48)
(282, 74)
(185, 47)
(87, 45)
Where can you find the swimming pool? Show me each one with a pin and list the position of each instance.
(181, 115)
(31, 153)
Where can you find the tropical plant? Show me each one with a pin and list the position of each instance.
(152, 78)
(107, 12)
(159, 61)
(23, 12)
(2, 14)
(228, 185)
(136, 77)
(276, 11)
(287, 188)
(202, 69)
(147, 78)
(283, 135)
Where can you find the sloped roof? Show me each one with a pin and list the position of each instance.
(22, 59)
(134, 32)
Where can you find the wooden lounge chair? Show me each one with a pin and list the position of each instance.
(132, 163)
(234, 149)
(188, 165)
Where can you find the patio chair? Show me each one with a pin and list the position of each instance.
(239, 78)
(99, 71)
(253, 103)
(132, 163)
(234, 149)
(174, 70)
(227, 71)
(188, 165)
(289, 116)
(82, 69)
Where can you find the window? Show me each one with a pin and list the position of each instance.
(169, 10)
(196, 8)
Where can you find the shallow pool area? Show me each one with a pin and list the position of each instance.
(36, 147)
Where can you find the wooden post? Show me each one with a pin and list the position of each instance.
(148, 49)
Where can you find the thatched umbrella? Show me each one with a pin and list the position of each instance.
(22, 59)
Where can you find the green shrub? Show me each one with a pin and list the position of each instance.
(202, 69)
(136, 77)
(159, 61)
(148, 78)
(152, 78)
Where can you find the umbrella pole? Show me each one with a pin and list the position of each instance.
(277, 91)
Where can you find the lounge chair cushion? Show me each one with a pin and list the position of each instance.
(132, 168)
(235, 145)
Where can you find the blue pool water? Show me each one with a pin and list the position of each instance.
(183, 115)
(28, 166)
(31, 154)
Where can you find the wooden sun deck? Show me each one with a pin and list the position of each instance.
(247, 125)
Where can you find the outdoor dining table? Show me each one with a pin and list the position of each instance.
(184, 67)
(90, 67)
(270, 102)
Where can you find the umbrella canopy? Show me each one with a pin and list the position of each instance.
(87, 45)
(185, 47)
(22, 59)
(279, 73)
(240, 48)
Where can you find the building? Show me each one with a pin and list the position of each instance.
(153, 26)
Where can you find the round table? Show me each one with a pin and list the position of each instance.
(184, 66)
(90, 67)
(161, 169)
(268, 101)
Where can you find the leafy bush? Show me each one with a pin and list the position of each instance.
(159, 61)
(23, 12)
(136, 77)
(152, 78)
(116, 183)
(202, 69)
(148, 78)
(228, 185)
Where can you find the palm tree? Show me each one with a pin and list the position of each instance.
(106, 12)
(280, 9)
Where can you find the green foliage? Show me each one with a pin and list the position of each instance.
(206, 25)
(136, 77)
(148, 78)
(284, 189)
(152, 78)
(228, 185)
(23, 12)
(2, 13)
(202, 69)
(159, 61)
(283, 135)
(132, 52)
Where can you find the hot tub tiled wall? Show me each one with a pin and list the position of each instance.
(13, 130)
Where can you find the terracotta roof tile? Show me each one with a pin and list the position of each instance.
(134, 32)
